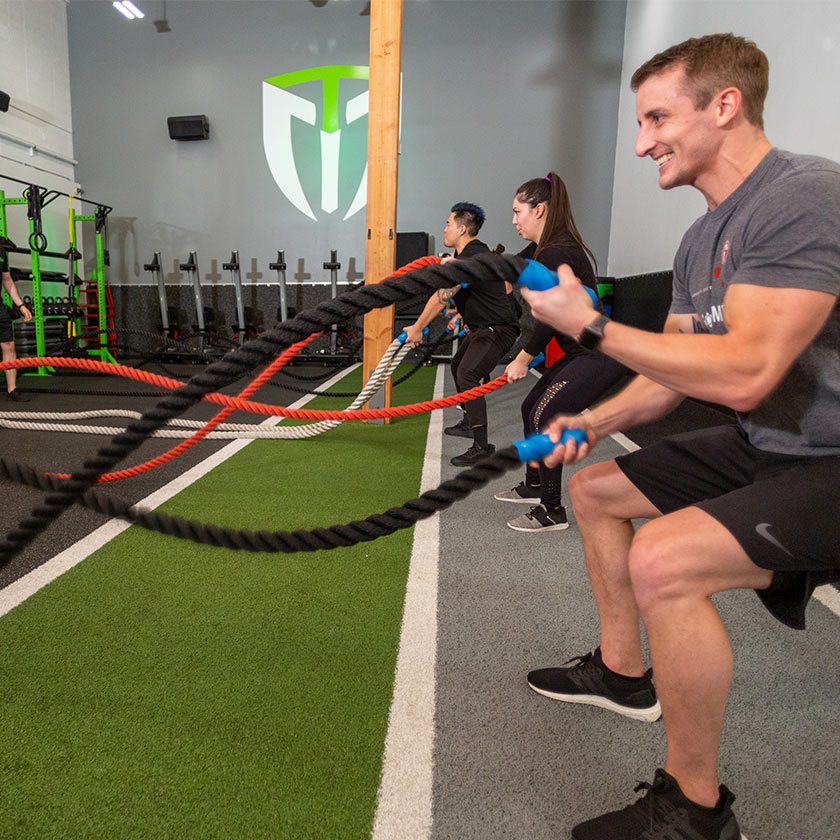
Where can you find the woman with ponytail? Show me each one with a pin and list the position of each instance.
(575, 377)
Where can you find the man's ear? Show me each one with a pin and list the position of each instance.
(728, 105)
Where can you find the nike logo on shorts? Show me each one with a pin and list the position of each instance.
(763, 530)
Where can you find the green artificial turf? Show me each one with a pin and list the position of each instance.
(166, 689)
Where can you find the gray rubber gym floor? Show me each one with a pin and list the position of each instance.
(512, 764)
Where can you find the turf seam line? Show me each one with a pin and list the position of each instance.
(24, 587)
(404, 800)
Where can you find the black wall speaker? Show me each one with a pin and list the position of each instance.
(410, 247)
(195, 127)
(4, 101)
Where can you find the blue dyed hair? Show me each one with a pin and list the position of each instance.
(469, 215)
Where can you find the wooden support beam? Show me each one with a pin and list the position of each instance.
(383, 149)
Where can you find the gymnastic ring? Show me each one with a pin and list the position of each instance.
(38, 242)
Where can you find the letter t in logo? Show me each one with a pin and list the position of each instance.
(279, 106)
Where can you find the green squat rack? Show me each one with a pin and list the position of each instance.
(36, 198)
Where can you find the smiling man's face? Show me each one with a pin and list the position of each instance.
(682, 140)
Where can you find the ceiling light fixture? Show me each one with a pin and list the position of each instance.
(133, 9)
(122, 10)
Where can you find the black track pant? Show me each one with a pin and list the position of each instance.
(566, 388)
(478, 353)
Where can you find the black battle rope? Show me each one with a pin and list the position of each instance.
(335, 536)
(421, 282)
(271, 382)
(95, 392)
(166, 340)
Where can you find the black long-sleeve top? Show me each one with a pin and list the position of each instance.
(484, 304)
(553, 257)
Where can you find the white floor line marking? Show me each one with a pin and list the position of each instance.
(623, 440)
(16, 593)
(828, 596)
(404, 806)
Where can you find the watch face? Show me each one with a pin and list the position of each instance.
(593, 333)
(589, 340)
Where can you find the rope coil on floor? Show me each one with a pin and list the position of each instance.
(415, 283)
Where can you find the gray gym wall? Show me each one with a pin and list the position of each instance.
(494, 93)
(802, 43)
(36, 133)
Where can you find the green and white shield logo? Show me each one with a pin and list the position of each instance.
(296, 154)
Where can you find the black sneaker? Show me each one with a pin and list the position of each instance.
(539, 519)
(591, 682)
(473, 455)
(17, 396)
(664, 813)
(522, 494)
(460, 429)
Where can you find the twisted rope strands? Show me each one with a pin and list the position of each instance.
(335, 536)
(422, 282)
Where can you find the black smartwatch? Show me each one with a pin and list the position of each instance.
(593, 333)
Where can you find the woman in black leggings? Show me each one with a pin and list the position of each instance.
(542, 214)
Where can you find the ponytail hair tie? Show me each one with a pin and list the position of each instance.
(547, 178)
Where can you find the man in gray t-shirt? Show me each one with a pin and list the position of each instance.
(753, 325)
(778, 229)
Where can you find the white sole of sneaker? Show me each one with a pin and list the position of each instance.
(647, 715)
(518, 501)
(526, 530)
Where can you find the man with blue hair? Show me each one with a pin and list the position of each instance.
(489, 312)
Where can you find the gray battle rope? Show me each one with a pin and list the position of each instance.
(419, 283)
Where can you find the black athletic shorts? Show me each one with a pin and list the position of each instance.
(5, 324)
(784, 510)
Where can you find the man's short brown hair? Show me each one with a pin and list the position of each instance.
(712, 63)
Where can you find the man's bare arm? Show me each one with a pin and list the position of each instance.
(11, 288)
(431, 310)
(767, 329)
(642, 400)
